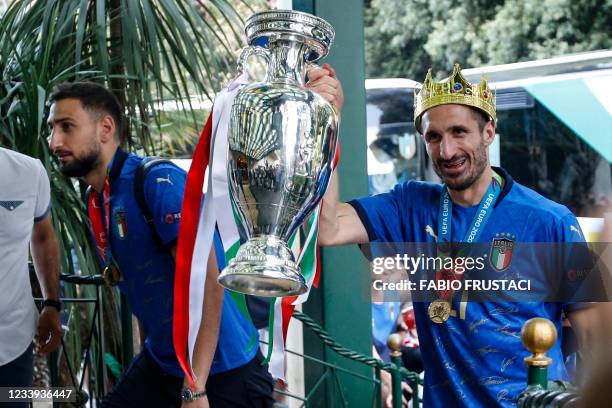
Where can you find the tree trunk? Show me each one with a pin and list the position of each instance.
(118, 85)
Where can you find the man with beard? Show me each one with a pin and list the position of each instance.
(472, 353)
(85, 121)
(25, 219)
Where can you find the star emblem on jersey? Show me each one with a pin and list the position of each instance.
(10, 205)
(121, 224)
(501, 251)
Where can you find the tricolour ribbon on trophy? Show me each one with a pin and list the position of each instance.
(196, 234)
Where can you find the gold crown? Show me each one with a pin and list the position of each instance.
(456, 89)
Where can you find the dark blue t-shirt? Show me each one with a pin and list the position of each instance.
(476, 357)
(147, 267)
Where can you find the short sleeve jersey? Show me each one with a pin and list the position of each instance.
(24, 200)
(475, 358)
(147, 266)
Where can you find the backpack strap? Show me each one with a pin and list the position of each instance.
(86, 197)
(142, 171)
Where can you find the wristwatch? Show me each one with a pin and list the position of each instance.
(188, 395)
(53, 303)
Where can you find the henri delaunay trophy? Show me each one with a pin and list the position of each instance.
(282, 141)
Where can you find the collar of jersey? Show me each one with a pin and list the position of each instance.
(117, 165)
(508, 183)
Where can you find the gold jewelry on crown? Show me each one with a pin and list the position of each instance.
(456, 89)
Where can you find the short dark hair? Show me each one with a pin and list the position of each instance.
(481, 117)
(93, 97)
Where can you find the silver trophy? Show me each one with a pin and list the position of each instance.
(282, 140)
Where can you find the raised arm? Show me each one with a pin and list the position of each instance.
(339, 224)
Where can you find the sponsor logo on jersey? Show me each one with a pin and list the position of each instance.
(10, 204)
(170, 218)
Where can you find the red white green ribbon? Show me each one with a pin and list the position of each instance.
(196, 237)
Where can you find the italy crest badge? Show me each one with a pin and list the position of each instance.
(121, 224)
(501, 252)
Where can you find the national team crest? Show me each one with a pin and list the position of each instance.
(501, 253)
(121, 224)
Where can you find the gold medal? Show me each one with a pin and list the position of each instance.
(111, 274)
(439, 311)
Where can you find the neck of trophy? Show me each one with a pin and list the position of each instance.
(287, 61)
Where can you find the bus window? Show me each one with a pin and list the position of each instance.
(395, 151)
(545, 155)
(555, 126)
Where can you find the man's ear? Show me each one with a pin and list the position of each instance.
(108, 128)
(489, 132)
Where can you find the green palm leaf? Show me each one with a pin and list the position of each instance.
(149, 52)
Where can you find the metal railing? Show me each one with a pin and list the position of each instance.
(331, 371)
(88, 379)
(538, 336)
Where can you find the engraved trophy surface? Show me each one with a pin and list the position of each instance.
(282, 141)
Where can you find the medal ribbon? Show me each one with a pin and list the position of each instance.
(483, 213)
(98, 208)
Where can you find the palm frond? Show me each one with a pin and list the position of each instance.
(149, 52)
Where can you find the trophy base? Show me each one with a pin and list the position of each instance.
(264, 266)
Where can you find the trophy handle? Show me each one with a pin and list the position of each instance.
(249, 51)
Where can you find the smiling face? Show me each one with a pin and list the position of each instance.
(75, 137)
(457, 144)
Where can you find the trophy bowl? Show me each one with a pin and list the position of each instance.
(282, 141)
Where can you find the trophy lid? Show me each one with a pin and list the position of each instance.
(317, 33)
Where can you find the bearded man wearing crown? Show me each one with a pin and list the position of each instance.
(471, 350)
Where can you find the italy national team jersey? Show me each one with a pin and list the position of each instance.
(476, 357)
(147, 267)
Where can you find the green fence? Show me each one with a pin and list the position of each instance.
(331, 373)
(88, 372)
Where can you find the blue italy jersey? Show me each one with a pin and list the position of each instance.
(147, 267)
(476, 357)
